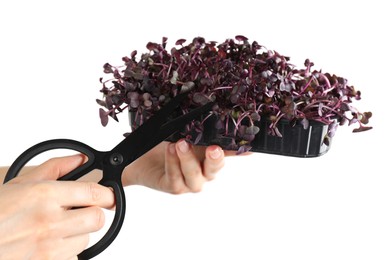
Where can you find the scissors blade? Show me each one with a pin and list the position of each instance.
(171, 127)
(156, 129)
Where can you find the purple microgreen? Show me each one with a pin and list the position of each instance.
(362, 128)
(180, 42)
(101, 102)
(243, 149)
(174, 77)
(305, 123)
(103, 117)
(247, 82)
(133, 54)
(241, 38)
(187, 86)
(107, 68)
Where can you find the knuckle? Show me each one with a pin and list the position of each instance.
(44, 229)
(173, 183)
(176, 191)
(196, 189)
(211, 176)
(98, 217)
(94, 191)
(193, 173)
(45, 251)
(176, 187)
(42, 191)
(41, 187)
(52, 163)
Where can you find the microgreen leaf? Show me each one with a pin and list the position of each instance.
(103, 116)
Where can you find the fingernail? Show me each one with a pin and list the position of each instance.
(183, 146)
(216, 153)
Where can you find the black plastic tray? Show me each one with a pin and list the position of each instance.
(295, 141)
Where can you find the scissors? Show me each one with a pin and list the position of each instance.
(152, 132)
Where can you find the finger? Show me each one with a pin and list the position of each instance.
(82, 194)
(213, 162)
(54, 168)
(173, 175)
(81, 221)
(190, 166)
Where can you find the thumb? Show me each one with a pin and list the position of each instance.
(54, 168)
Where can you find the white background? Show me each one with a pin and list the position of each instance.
(259, 207)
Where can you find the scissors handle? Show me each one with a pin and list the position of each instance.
(37, 149)
(96, 160)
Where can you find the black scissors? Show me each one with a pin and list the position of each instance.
(152, 132)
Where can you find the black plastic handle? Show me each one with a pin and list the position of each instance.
(37, 149)
(96, 160)
(115, 227)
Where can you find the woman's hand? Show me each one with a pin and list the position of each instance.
(36, 219)
(175, 167)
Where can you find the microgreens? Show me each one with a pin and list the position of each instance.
(247, 82)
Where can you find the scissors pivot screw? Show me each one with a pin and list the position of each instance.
(116, 159)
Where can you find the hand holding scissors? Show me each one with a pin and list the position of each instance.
(112, 163)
